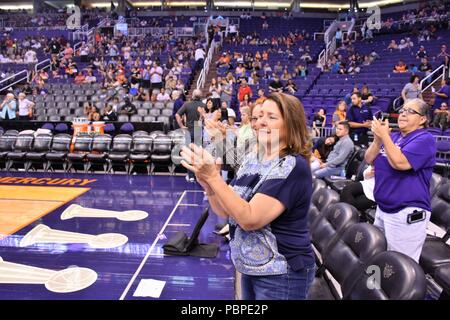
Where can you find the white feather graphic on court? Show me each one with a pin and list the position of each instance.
(43, 234)
(77, 211)
(63, 281)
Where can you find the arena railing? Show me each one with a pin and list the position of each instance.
(17, 77)
(202, 78)
(441, 69)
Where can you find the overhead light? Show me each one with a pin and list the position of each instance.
(146, 4)
(103, 4)
(16, 6)
(185, 3)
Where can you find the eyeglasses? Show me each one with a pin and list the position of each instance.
(409, 111)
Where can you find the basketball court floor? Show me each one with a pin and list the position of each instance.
(79, 255)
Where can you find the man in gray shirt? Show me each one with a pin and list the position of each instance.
(192, 121)
(227, 91)
(338, 157)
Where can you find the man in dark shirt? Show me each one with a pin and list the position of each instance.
(421, 53)
(128, 108)
(275, 85)
(177, 104)
(109, 114)
(192, 123)
(359, 117)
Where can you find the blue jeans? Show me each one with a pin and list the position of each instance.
(294, 285)
(327, 172)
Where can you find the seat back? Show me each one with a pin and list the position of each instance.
(354, 162)
(142, 144)
(331, 223)
(101, 143)
(82, 144)
(23, 143)
(324, 197)
(318, 184)
(42, 143)
(440, 206)
(358, 243)
(399, 278)
(61, 142)
(7, 142)
(122, 143)
(435, 182)
(162, 145)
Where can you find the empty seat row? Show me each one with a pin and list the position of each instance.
(46, 151)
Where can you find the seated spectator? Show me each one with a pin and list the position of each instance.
(108, 114)
(80, 78)
(267, 70)
(403, 45)
(422, 53)
(224, 61)
(425, 67)
(360, 193)
(90, 78)
(94, 114)
(306, 57)
(275, 85)
(441, 117)
(366, 95)
(392, 46)
(286, 75)
(278, 68)
(142, 95)
(261, 97)
(338, 157)
(128, 108)
(228, 116)
(265, 55)
(240, 70)
(340, 113)
(400, 67)
(321, 150)
(246, 102)
(163, 96)
(290, 87)
(319, 121)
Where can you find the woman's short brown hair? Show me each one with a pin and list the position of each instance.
(298, 141)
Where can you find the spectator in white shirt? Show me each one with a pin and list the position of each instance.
(163, 96)
(90, 78)
(30, 57)
(199, 58)
(156, 73)
(25, 107)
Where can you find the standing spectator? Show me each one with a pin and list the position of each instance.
(443, 95)
(319, 121)
(275, 212)
(25, 107)
(359, 118)
(191, 122)
(199, 58)
(156, 73)
(338, 38)
(243, 90)
(412, 89)
(8, 107)
(68, 52)
(340, 114)
(403, 163)
(215, 89)
(227, 92)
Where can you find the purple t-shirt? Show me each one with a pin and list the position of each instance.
(398, 189)
(438, 100)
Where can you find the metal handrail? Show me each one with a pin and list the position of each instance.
(41, 63)
(202, 78)
(430, 76)
(27, 75)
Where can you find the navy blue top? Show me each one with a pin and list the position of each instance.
(360, 115)
(289, 182)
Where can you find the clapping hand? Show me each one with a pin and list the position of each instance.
(380, 129)
(200, 162)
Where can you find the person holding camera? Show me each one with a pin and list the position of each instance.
(8, 107)
(403, 163)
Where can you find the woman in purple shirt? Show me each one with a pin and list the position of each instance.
(267, 203)
(403, 164)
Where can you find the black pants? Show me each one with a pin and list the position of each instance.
(362, 139)
(353, 194)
